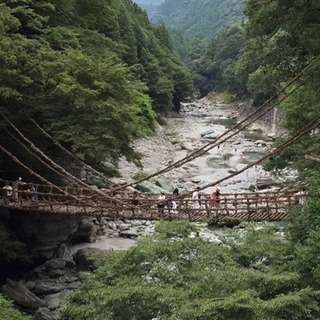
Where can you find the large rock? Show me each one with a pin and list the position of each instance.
(55, 264)
(48, 287)
(64, 253)
(21, 295)
(83, 258)
(149, 187)
(43, 314)
(265, 182)
(86, 232)
(165, 184)
(43, 233)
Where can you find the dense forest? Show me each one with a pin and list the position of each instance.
(97, 74)
(194, 17)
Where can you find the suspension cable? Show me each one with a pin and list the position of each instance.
(15, 159)
(55, 142)
(307, 128)
(219, 140)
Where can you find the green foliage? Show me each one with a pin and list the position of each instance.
(174, 276)
(179, 229)
(304, 234)
(276, 50)
(198, 16)
(214, 63)
(93, 74)
(139, 175)
(8, 312)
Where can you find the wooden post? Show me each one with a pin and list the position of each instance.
(248, 207)
(235, 203)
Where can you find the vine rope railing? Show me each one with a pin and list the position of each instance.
(246, 206)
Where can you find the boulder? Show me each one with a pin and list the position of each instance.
(83, 258)
(21, 295)
(186, 146)
(260, 143)
(43, 233)
(124, 226)
(149, 187)
(64, 253)
(165, 184)
(53, 301)
(55, 264)
(265, 182)
(48, 287)
(43, 314)
(131, 233)
(86, 232)
(211, 136)
(208, 132)
(57, 273)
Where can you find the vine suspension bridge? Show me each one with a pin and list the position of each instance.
(117, 202)
(249, 206)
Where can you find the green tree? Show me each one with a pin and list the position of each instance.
(174, 276)
(92, 74)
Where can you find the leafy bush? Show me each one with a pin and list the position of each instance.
(174, 276)
(8, 312)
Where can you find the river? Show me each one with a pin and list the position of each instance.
(184, 134)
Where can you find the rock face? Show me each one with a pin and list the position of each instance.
(42, 290)
(43, 233)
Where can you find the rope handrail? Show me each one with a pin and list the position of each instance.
(246, 208)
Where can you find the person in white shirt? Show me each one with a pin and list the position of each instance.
(195, 198)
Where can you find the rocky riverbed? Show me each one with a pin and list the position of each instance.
(198, 124)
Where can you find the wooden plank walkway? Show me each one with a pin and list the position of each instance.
(252, 206)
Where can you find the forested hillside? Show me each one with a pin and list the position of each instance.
(198, 17)
(94, 74)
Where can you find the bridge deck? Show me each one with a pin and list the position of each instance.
(253, 206)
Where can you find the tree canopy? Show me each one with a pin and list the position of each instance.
(174, 276)
(93, 74)
(198, 17)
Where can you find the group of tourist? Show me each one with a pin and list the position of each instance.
(171, 201)
(14, 191)
(213, 196)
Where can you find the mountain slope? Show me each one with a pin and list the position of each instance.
(204, 17)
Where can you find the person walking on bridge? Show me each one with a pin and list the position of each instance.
(175, 195)
(31, 191)
(162, 204)
(16, 185)
(9, 194)
(136, 202)
(213, 198)
(195, 199)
